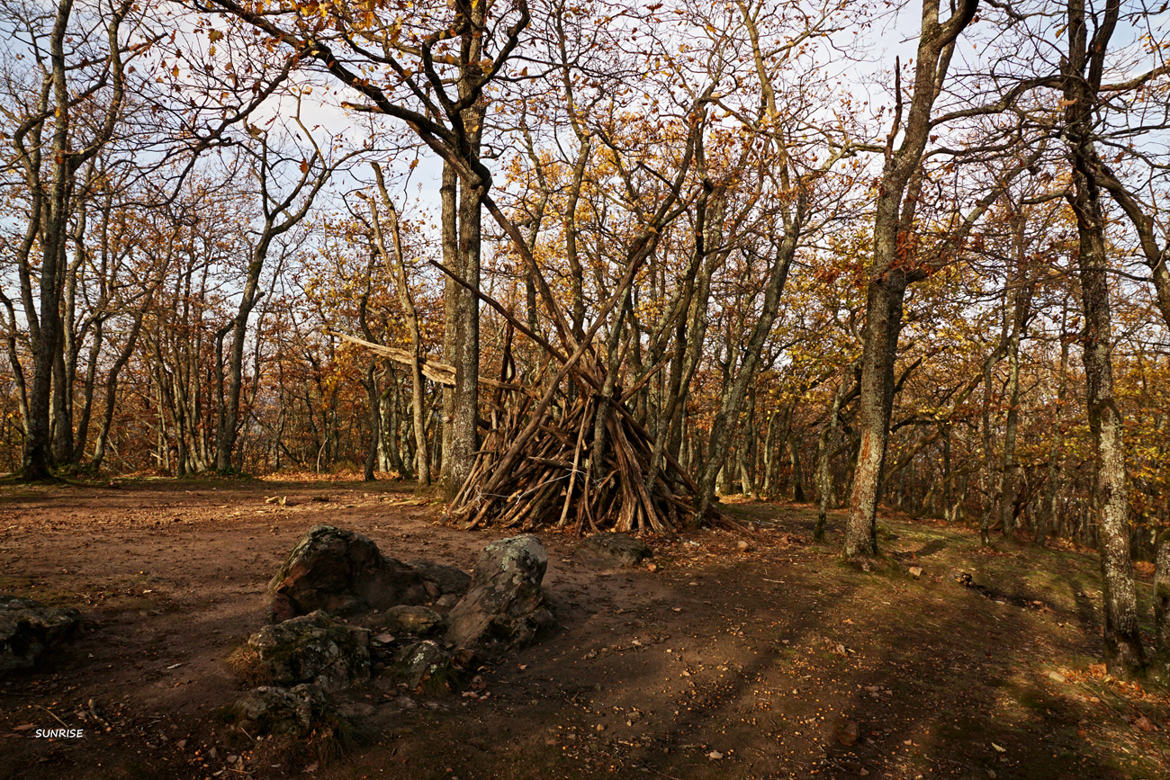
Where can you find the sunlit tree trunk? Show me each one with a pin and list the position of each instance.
(1123, 648)
(898, 191)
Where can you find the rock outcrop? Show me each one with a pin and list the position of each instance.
(505, 606)
(274, 710)
(401, 628)
(343, 573)
(312, 648)
(29, 628)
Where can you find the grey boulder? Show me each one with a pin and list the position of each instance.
(274, 710)
(343, 573)
(312, 648)
(613, 549)
(29, 628)
(505, 605)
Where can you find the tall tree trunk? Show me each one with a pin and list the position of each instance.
(452, 259)
(465, 398)
(897, 197)
(38, 456)
(1162, 594)
(875, 404)
(54, 211)
(397, 263)
(1123, 647)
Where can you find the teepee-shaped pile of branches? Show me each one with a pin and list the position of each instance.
(566, 450)
(573, 456)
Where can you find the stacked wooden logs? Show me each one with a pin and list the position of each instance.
(537, 465)
(556, 479)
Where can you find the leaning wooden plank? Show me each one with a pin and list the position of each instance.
(437, 372)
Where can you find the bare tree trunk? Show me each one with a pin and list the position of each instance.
(388, 405)
(797, 470)
(824, 457)
(988, 458)
(372, 394)
(111, 390)
(38, 456)
(770, 458)
(897, 198)
(874, 405)
(725, 422)
(397, 264)
(281, 214)
(1123, 647)
(448, 196)
(465, 399)
(1162, 594)
(1009, 465)
(1046, 517)
(54, 203)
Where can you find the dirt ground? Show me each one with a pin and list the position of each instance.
(774, 661)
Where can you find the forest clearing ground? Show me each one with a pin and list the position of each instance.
(777, 660)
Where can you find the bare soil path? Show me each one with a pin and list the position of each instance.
(717, 661)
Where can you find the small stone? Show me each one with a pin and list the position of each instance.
(424, 662)
(412, 619)
(847, 732)
(714, 755)
(1057, 677)
(915, 571)
(743, 545)
(614, 549)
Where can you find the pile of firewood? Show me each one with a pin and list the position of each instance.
(542, 469)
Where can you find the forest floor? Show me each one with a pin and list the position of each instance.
(774, 661)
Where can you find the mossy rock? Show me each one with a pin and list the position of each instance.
(276, 710)
(312, 648)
